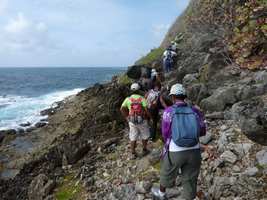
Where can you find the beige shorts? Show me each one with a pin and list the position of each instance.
(139, 131)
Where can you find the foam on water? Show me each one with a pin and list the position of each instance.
(15, 110)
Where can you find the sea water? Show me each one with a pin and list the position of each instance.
(24, 92)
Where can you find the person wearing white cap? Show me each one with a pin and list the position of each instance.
(134, 109)
(182, 125)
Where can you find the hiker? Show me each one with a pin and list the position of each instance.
(134, 109)
(154, 74)
(145, 80)
(153, 101)
(174, 46)
(182, 125)
(168, 59)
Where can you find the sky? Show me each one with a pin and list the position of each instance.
(82, 33)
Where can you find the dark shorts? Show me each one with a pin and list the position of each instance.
(189, 162)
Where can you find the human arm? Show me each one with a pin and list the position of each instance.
(162, 101)
(124, 109)
(166, 124)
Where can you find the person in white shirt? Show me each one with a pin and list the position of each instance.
(168, 60)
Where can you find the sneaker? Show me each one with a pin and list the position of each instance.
(157, 195)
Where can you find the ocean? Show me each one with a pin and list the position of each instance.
(24, 92)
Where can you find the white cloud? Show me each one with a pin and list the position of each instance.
(18, 25)
(160, 30)
(23, 34)
(3, 6)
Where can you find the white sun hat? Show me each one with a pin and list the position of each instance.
(135, 86)
(177, 89)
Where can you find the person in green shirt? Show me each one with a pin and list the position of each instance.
(134, 109)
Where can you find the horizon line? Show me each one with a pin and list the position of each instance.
(63, 67)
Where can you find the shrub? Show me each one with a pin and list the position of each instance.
(153, 55)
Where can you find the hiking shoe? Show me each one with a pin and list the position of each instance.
(157, 195)
(145, 152)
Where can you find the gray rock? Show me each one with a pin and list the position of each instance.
(143, 164)
(229, 157)
(135, 71)
(221, 186)
(221, 98)
(25, 124)
(190, 79)
(215, 115)
(7, 135)
(222, 142)
(40, 124)
(218, 163)
(206, 139)
(262, 157)
(252, 171)
(143, 187)
(40, 187)
(249, 91)
(236, 169)
(240, 149)
(154, 156)
(252, 118)
(261, 77)
(196, 92)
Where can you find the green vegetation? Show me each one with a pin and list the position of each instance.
(153, 55)
(157, 166)
(69, 189)
(124, 80)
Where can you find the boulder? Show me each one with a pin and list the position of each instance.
(240, 149)
(215, 115)
(143, 187)
(190, 79)
(30, 129)
(154, 156)
(196, 92)
(220, 99)
(49, 111)
(2, 136)
(205, 139)
(252, 118)
(229, 157)
(249, 91)
(40, 124)
(25, 124)
(134, 71)
(261, 77)
(6, 135)
(252, 171)
(262, 157)
(40, 187)
(221, 187)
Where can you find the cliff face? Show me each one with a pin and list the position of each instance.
(222, 60)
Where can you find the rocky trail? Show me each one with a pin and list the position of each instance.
(232, 169)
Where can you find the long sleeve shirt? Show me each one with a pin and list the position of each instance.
(167, 122)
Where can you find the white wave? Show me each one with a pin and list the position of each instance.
(15, 110)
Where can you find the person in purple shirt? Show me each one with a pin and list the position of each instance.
(175, 157)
